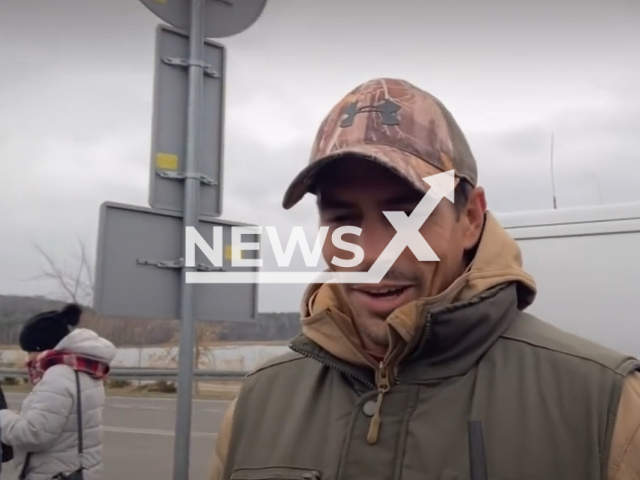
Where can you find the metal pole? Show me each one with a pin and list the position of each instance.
(191, 201)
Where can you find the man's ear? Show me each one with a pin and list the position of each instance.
(474, 216)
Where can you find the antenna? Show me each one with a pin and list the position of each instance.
(553, 182)
(595, 180)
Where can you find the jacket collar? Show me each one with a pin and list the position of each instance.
(457, 336)
(453, 339)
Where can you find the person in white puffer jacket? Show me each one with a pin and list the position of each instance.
(44, 435)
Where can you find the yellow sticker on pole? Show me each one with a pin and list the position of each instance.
(166, 161)
(231, 253)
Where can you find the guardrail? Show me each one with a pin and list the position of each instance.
(129, 373)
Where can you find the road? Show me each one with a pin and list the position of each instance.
(139, 437)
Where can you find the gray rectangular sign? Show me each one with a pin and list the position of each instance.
(169, 123)
(132, 239)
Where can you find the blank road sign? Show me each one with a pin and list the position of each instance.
(222, 18)
(132, 239)
(169, 123)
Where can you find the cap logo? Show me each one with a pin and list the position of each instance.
(387, 109)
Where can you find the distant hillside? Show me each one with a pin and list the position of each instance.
(15, 310)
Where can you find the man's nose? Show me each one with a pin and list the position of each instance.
(374, 238)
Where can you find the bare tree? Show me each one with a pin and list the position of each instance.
(76, 282)
(206, 333)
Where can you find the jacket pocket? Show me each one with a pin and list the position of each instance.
(276, 473)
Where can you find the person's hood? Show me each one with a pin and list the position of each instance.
(326, 319)
(85, 342)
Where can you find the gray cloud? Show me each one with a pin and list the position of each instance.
(76, 92)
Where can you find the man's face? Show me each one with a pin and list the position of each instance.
(355, 192)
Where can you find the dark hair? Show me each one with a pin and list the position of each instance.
(71, 314)
(45, 330)
(462, 194)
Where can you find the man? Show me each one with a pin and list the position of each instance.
(437, 372)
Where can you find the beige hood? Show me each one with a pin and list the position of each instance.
(326, 318)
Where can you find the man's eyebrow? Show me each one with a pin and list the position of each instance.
(402, 200)
(325, 202)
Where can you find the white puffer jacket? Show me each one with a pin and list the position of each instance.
(47, 423)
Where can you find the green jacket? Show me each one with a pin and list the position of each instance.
(486, 382)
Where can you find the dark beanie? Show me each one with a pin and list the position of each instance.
(45, 330)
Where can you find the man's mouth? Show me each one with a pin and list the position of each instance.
(381, 300)
(386, 291)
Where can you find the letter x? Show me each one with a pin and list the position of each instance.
(408, 230)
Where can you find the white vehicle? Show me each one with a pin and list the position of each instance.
(586, 263)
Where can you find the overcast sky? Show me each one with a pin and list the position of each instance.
(76, 88)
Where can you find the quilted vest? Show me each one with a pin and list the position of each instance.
(490, 393)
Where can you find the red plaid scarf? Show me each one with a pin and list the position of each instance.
(81, 363)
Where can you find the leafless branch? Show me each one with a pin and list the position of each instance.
(55, 273)
(87, 266)
(77, 285)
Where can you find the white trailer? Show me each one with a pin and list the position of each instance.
(586, 263)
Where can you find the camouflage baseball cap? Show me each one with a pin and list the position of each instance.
(393, 123)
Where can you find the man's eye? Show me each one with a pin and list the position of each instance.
(343, 219)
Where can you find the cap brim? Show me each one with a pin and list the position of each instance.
(404, 164)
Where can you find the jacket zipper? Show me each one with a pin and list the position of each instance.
(384, 385)
(333, 365)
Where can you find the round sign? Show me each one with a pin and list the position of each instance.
(223, 18)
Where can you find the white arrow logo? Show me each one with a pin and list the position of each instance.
(407, 235)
